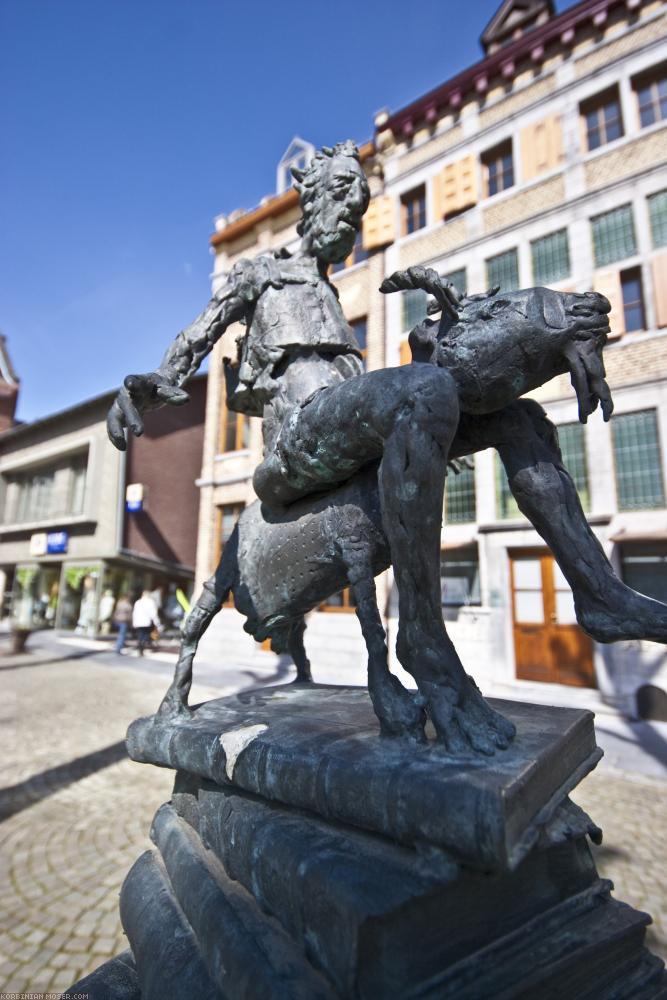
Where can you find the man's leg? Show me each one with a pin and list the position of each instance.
(407, 417)
(528, 447)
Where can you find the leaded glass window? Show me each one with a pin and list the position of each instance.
(613, 235)
(458, 279)
(503, 270)
(460, 496)
(633, 299)
(571, 438)
(639, 484)
(506, 505)
(551, 258)
(657, 210)
(414, 308)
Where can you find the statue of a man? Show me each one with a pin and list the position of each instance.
(299, 367)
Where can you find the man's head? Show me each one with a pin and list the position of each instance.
(334, 195)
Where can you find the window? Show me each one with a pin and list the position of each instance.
(503, 270)
(48, 493)
(637, 461)
(602, 118)
(460, 496)
(77, 485)
(652, 97)
(573, 449)
(644, 568)
(234, 431)
(572, 441)
(506, 505)
(657, 210)
(414, 305)
(498, 168)
(228, 515)
(459, 577)
(36, 495)
(613, 235)
(458, 279)
(359, 253)
(413, 210)
(633, 299)
(360, 330)
(551, 258)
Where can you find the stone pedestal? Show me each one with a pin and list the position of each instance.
(302, 856)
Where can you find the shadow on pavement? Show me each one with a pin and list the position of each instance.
(644, 736)
(15, 798)
(78, 655)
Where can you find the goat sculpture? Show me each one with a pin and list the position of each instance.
(281, 563)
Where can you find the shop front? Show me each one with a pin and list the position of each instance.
(81, 596)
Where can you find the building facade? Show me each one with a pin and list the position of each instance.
(545, 163)
(73, 538)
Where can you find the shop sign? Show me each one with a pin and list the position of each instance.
(56, 542)
(134, 497)
(38, 544)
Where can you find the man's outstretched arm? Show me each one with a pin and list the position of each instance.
(183, 358)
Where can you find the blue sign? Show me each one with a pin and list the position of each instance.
(56, 542)
(134, 505)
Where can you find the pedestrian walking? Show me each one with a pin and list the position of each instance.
(122, 616)
(144, 619)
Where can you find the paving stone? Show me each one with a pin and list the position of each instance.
(70, 843)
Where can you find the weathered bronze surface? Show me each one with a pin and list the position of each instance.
(354, 463)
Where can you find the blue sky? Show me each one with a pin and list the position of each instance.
(128, 125)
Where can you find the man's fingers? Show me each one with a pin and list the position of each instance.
(115, 426)
(172, 394)
(130, 413)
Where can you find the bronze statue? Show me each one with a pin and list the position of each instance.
(354, 463)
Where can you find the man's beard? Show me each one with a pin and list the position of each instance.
(329, 243)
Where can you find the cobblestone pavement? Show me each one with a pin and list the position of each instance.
(75, 814)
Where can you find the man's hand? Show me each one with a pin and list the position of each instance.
(138, 394)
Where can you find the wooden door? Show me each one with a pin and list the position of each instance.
(548, 643)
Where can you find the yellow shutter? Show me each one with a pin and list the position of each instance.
(406, 353)
(659, 267)
(455, 187)
(379, 223)
(609, 283)
(541, 147)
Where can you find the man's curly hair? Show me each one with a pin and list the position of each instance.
(312, 180)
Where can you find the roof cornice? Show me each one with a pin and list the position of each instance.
(449, 96)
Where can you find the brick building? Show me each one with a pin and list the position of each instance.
(69, 545)
(545, 163)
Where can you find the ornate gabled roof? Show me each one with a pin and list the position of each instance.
(512, 19)
(7, 373)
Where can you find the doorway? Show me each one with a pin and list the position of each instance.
(549, 645)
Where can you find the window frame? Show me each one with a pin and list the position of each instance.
(625, 277)
(606, 260)
(502, 177)
(542, 241)
(597, 105)
(241, 430)
(650, 80)
(624, 506)
(497, 256)
(408, 199)
(237, 508)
